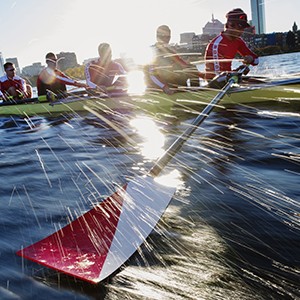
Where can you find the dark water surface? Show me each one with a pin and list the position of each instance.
(231, 232)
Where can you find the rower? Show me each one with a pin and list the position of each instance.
(104, 73)
(222, 49)
(53, 81)
(168, 70)
(13, 87)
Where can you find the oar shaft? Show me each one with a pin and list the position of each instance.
(19, 101)
(176, 146)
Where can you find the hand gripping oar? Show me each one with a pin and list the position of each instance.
(99, 242)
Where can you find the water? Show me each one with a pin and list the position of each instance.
(231, 232)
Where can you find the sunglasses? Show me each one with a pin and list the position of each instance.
(11, 70)
(238, 25)
(53, 60)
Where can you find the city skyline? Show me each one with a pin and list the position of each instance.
(129, 26)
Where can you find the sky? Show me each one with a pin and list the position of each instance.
(32, 28)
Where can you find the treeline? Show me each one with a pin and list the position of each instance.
(76, 73)
(272, 50)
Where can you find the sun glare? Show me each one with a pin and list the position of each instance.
(153, 139)
(172, 179)
(136, 82)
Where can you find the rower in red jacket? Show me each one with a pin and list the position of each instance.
(13, 86)
(222, 49)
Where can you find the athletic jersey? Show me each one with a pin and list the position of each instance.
(54, 81)
(165, 66)
(165, 55)
(98, 75)
(223, 48)
(17, 82)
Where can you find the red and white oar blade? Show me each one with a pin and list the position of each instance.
(100, 241)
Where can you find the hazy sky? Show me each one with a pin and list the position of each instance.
(31, 28)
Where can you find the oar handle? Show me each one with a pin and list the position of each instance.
(176, 146)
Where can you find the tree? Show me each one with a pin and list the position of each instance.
(295, 27)
(76, 72)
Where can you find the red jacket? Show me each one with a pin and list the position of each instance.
(221, 48)
(18, 82)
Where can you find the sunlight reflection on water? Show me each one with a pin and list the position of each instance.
(153, 140)
(136, 82)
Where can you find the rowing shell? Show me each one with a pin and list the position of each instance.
(287, 89)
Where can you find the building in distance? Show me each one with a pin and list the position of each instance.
(198, 42)
(1, 64)
(186, 39)
(213, 28)
(32, 70)
(66, 60)
(258, 16)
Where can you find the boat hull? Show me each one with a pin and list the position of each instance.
(157, 101)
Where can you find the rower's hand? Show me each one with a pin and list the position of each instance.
(167, 90)
(248, 59)
(242, 69)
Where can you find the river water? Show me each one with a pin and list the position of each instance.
(232, 231)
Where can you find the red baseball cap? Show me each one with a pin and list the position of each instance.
(237, 15)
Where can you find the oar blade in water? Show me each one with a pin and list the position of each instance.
(100, 241)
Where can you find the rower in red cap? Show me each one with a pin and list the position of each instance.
(222, 49)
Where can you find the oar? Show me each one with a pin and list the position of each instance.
(99, 242)
(89, 94)
(21, 101)
(175, 147)
(42, 98)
